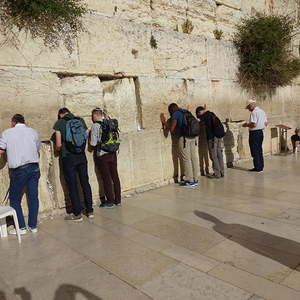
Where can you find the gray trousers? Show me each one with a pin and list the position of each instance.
(215, 147)
(188, 150)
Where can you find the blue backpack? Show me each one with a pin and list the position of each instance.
(75, 135)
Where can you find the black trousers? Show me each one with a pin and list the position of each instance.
(256, 138)
(76, 165)
(108, 167)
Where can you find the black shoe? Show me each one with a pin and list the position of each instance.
(213, 176)
(222, 175)
(252, 170)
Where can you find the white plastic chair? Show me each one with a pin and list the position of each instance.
(6, 211)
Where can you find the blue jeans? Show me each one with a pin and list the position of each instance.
(256, 138)
(25, 177)
(73, 165)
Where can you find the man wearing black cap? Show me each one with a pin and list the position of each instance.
(215, 133)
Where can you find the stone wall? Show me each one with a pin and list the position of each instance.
(114, 66)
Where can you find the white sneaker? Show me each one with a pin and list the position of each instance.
(33, 230)
(14, 231)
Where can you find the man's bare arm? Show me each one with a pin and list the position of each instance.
(58, 141)
(250, 125)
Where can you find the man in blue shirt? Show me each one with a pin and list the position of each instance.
(188, 147)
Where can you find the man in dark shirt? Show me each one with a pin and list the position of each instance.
(215, 144)
(73, 164)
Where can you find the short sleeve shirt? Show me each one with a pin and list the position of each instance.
(178, 115)
(60, 125)
(258, 116)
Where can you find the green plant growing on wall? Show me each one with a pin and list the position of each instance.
(218, 34)
(53, 21)
(263, 45)
(153, 42)
(134, 52)
(187, 27)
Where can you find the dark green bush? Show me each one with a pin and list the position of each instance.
(263, 45)
(51, 20)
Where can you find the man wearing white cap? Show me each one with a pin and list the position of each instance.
(257, 124)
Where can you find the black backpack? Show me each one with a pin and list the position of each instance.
(217, 126)
(110, 141)
(191, 126)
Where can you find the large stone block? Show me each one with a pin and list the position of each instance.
(180, 55)
(36, 94)
(156, 94)
(169, 14)
(147, 158)
(33, 53)
(134, 10)
(119, 99)
(115, 47)
(81, 94)
(222, 60)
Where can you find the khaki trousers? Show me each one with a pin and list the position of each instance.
(188, 150)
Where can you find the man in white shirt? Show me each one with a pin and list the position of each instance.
(22, 145)
(257, 123)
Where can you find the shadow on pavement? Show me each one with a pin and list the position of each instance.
(282, 250)
(64, 292)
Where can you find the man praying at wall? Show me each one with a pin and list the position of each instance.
(22, 145)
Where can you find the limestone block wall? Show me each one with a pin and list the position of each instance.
(115, 67)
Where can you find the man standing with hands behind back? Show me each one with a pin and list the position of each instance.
(257, 124)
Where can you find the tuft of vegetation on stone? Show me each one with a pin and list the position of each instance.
(134, 52)
(218, 34)
(263, 44)
(187, 27)
(153, 42)
(53, 21)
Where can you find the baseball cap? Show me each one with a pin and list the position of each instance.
(250, 102)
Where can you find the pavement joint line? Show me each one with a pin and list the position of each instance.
(249, 291)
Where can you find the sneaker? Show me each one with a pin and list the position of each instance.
(32, 229)
(74, 218)
(91, 215)
(118, 204)
(108, 205)
(102, 204)
(14, 231)
(195, 183)
(187, 184)
(252, 170)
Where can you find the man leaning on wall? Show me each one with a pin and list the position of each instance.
(74, 161)
(188, 146)
(106, 142)
(22, 145)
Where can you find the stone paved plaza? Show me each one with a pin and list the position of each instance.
(237, 238)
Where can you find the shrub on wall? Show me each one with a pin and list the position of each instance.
(264, 48)
(51, 20)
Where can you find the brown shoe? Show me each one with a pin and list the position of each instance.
(74, 218)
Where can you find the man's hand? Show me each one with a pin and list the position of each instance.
(189, 108)
(2, 152)
(163, 118)
(245, 125)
